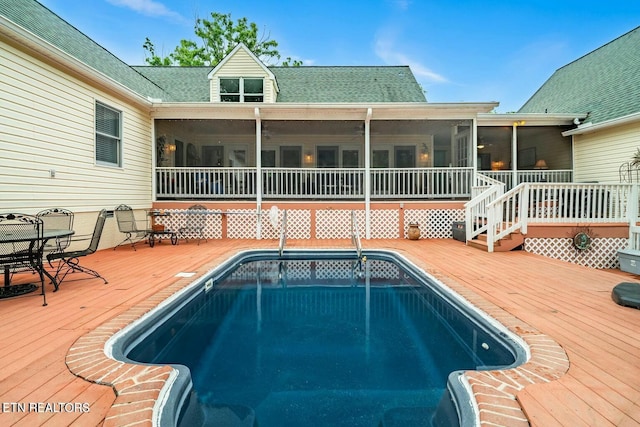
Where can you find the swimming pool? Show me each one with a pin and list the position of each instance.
(317, 338)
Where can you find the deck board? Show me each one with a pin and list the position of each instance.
(569, 303)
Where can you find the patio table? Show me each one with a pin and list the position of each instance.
(8, 238)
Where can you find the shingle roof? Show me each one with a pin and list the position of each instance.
(604, 83)
(301, 84)
(181, 84)
(190, 84)
(42, 22)
(347, 84)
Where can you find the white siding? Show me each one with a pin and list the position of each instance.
(47, 123)
(598, 155)
(241, 64)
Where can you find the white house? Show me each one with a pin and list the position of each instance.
(85, 131)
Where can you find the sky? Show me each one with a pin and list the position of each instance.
(458, 50)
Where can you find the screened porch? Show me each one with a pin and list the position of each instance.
(347, 159)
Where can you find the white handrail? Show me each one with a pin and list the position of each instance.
(355, 234)
(283, 233)
(476, 221)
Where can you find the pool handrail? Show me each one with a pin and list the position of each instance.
(283, 233)
(355, 234)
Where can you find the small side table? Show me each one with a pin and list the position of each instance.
(159, 231)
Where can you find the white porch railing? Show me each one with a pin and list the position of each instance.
(559, 203)
(443, 183)
(210, 183)
(537, 175)
(313, 183)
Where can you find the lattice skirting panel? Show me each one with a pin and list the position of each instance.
(298, 224)
(177, 220)
(336, 223)
(329, 223)
(384, 224)
(603, 252)
(242, 224)
(433, 223)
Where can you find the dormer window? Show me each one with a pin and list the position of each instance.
(242, 89)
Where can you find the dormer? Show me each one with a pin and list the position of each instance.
(242, 77)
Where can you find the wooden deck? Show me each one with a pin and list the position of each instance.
(569, 304)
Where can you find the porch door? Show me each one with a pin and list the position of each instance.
(213, 156)
(380, 180)
(326, 182)
(327, 157)
(291, 157)
(268, 178)
(405, 158)
(290, 182)
(242, 182)
(440, 158)
(179, 161)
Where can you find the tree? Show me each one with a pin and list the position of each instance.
(218, 37)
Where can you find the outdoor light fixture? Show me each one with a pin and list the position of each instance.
(519, 123)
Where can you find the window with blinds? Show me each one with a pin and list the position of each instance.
(108, 135)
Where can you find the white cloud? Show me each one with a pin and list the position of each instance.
(402, 4)
(149, 8)
(386, 50)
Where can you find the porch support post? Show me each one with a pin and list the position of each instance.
(514, 155)
(154, 162)
(474, 150)
(367, 173)
(258, 174)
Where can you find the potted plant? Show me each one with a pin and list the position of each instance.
(635, 159)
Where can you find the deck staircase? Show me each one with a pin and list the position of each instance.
(496, 220)
(510, 242)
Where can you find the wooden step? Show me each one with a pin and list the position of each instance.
(505, 244)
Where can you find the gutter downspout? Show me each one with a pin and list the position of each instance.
(474, 149)
(258, 173)
(154, 164)
(367, 173)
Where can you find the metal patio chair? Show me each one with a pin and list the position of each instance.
(21, 244)
(196, 219)
(68, 261)
(56, 219)
(128, 225)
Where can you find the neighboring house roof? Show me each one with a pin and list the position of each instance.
(43, 23)
(604, 83)
(347, 84)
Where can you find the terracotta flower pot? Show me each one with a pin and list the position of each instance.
(414, 231)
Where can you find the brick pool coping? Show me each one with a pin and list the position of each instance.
(137, 387)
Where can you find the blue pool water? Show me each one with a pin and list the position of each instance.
(321, 342)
